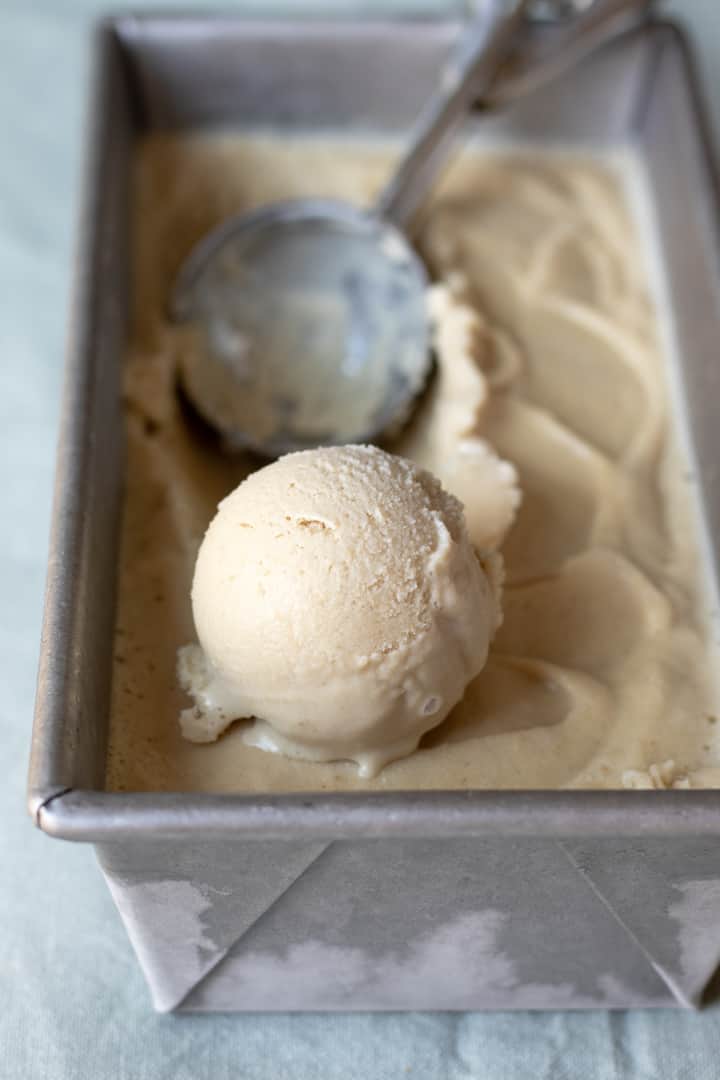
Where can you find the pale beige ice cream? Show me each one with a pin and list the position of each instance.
(337, 599)
(548, 350)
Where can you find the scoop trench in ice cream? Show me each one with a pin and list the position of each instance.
(337, 599)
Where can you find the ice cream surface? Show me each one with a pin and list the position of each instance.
(339, 601)
(548, 350)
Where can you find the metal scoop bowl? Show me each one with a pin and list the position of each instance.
(312, 327)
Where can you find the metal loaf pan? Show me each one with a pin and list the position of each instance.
(461, 900)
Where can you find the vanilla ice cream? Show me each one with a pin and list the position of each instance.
(602, 674)
(339, 601)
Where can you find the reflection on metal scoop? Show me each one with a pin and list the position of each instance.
(309, 316)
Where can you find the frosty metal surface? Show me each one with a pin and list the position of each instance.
(511, 899)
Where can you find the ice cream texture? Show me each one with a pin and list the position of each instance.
(548, 351)
(339, 601)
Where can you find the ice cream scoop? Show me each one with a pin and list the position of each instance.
(309, 316)
(339, 601)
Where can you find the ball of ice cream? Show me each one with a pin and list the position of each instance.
(337, 600)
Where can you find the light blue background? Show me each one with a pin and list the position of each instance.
(73, 1005)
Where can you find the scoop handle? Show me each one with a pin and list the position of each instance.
(472, 69)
